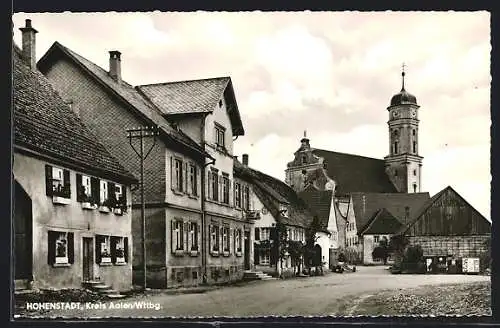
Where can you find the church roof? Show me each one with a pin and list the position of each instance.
(273, 192)
(382, 222)
(365, 205)
(403, 98)
(320, 201)
(354, 173)
(43, 123)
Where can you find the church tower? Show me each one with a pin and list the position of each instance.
(403, 164)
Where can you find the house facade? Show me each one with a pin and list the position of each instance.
(276, 205)
(196, 220)
(72, 198)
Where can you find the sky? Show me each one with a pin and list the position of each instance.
(329, 73)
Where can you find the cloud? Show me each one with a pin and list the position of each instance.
(332, 73)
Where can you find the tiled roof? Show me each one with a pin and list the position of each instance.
(194, 96)
(45, 124)
(124, 91)
(353, 173)
(320, 201)
(366, 204)
(272, 192)
(382, 222)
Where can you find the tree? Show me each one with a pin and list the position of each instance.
(311, 238)
(397, 245)
(281, 243)
(412, 258)
(382, 251)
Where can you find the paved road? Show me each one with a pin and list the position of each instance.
(302, 296)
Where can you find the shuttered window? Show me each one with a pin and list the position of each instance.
(57, 182)
(60, 247)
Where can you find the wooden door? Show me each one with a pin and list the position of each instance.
(247, 250)
(88, 258)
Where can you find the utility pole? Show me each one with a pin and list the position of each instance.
(142, 133)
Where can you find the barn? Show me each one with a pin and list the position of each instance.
(449, 230)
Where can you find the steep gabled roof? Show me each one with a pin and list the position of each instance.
(43, 123)
(382, 222)
(320, 201)
(122, 91)
(194, 96)
(353, 173)
(273, 192)
(418, 214)
(366, 204)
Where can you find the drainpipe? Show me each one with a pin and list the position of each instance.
(203, 214)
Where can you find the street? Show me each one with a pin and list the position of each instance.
(315, 296)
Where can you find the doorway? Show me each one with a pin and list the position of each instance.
(247, 250)
(88, 258)
(23, 216)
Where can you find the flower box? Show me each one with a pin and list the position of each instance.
(239, 253)
(103, 209)
(88, 206)
(61, 260)
(120, 260)
(225, 253)
(118, 211)
(61, 200)
(193, 253)
(106, 260)
(179, 252)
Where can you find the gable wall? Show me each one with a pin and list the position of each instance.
(108, 119)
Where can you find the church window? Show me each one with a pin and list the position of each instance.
(304, 159)
(414, 132)
(414, 146)
(415, 172)
(414, 187)
(396, 133)
(395, 147)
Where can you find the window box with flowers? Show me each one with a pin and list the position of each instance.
(120, 201)
(103, 250)
(107, 205)
(57, 184)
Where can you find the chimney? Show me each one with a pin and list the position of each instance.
(29, 44)
(115, 67)
(245, 159)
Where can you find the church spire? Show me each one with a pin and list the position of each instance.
(305, 141)
(403, 77)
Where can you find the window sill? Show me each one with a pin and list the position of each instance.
(61, 265)
(103, 209)
(118, 211)
(193, 196)
(61, 200)
(178, 192)
(193, 253)
(219, 203)
(239, 254)
(214, 254)
(106, 264)
(121, 263)
(225, 254)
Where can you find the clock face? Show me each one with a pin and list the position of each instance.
(413, 113)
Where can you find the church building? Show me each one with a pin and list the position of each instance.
(373, 199)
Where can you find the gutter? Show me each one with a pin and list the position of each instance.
(204, 252)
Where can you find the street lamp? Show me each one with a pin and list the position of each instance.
(142, 133)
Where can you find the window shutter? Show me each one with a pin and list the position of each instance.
(79, 188)
(221, 192)
(124, 194)
(51, 254)
(230, 239)
(198, 180)
(48, 180)
(209, 184)
(257, 233)
(273, 234)
(172, 173)
(198, 235)
(98, 240)
(235, 235)
(67, 182)
(112, 243)
(94, 187)
(186, 236)
(172, 227)
(111, 191)
(221, 246)
(71, 248)
(210, 238)
(185, 180)
(233, 203)
(125, 248)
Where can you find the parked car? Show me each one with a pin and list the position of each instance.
(342, 266)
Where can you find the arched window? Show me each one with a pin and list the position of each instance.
(414, 132)
(395, 133)
(304, 159)
(414, 187)
(414, 147)
(395, 148)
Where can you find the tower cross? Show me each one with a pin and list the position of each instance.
(305, 133)
(403, 76)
